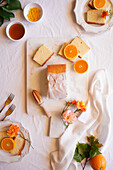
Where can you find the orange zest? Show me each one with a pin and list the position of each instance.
(98, 162)
(105, 14)
(80, 66)
(70, 51)
(98, 4)
(7, 144)
(13, 131)
(81, 105)
(34, 14)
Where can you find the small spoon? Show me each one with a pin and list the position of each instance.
(39, 100)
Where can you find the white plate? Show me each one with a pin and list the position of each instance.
(7, 157)
(80, 10)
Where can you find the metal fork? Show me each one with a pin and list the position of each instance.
(8, 101)
(9, 111)
(3, 2)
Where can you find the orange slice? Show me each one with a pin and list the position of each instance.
(98, 4)
(7, 144)
(70, 51)
(81, 66)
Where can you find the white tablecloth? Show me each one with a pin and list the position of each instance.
(58, 21)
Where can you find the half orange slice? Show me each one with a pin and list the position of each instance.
(7, 144)
(80, 66)
(98, 4)
(70, 51)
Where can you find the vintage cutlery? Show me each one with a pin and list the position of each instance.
(8, 101)
(9, 111)
(3, 2)
(39, 100)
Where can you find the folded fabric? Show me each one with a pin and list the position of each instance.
(94, 124)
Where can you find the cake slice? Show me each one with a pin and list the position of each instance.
(82, 47)
(19, 145)
(56, 76)
(95, 17)
(91, 4)
(61, 52)
(72, 52)
(42, 55)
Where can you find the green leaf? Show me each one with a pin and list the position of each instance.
(13, 5)
(94, 152)
(6, 15)
(110, 14)
(91, 139)
(77, 156)
(83, 149)
(5, 9)
(81, 152)
(99, 145)
(1, 21)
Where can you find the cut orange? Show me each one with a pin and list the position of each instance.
(7, 144)
(81, 66)
(70, 51)
(98, 4)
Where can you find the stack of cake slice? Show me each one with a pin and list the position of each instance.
(94, 15)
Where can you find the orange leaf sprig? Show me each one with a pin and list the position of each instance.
(68, 116)
(13, 130)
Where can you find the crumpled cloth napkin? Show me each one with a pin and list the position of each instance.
(98, 117)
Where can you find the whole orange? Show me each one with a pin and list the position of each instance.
(98, 162)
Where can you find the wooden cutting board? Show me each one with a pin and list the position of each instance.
(77, 85)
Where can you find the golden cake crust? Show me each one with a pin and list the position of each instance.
(56, 68)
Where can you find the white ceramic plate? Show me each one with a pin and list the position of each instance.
(7, 157)
(80, 10)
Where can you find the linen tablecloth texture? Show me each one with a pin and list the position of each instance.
(97, 111)
(58, 21)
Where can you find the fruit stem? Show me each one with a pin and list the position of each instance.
(85, 163)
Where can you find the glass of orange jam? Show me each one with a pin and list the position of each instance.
(16, 31)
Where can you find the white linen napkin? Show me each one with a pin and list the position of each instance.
(99, 117)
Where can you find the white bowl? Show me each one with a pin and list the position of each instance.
(27, 8)
(12, 23)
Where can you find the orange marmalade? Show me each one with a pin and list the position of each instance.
(34, 14)
(16, 31)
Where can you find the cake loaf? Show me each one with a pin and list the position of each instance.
(56, 76)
